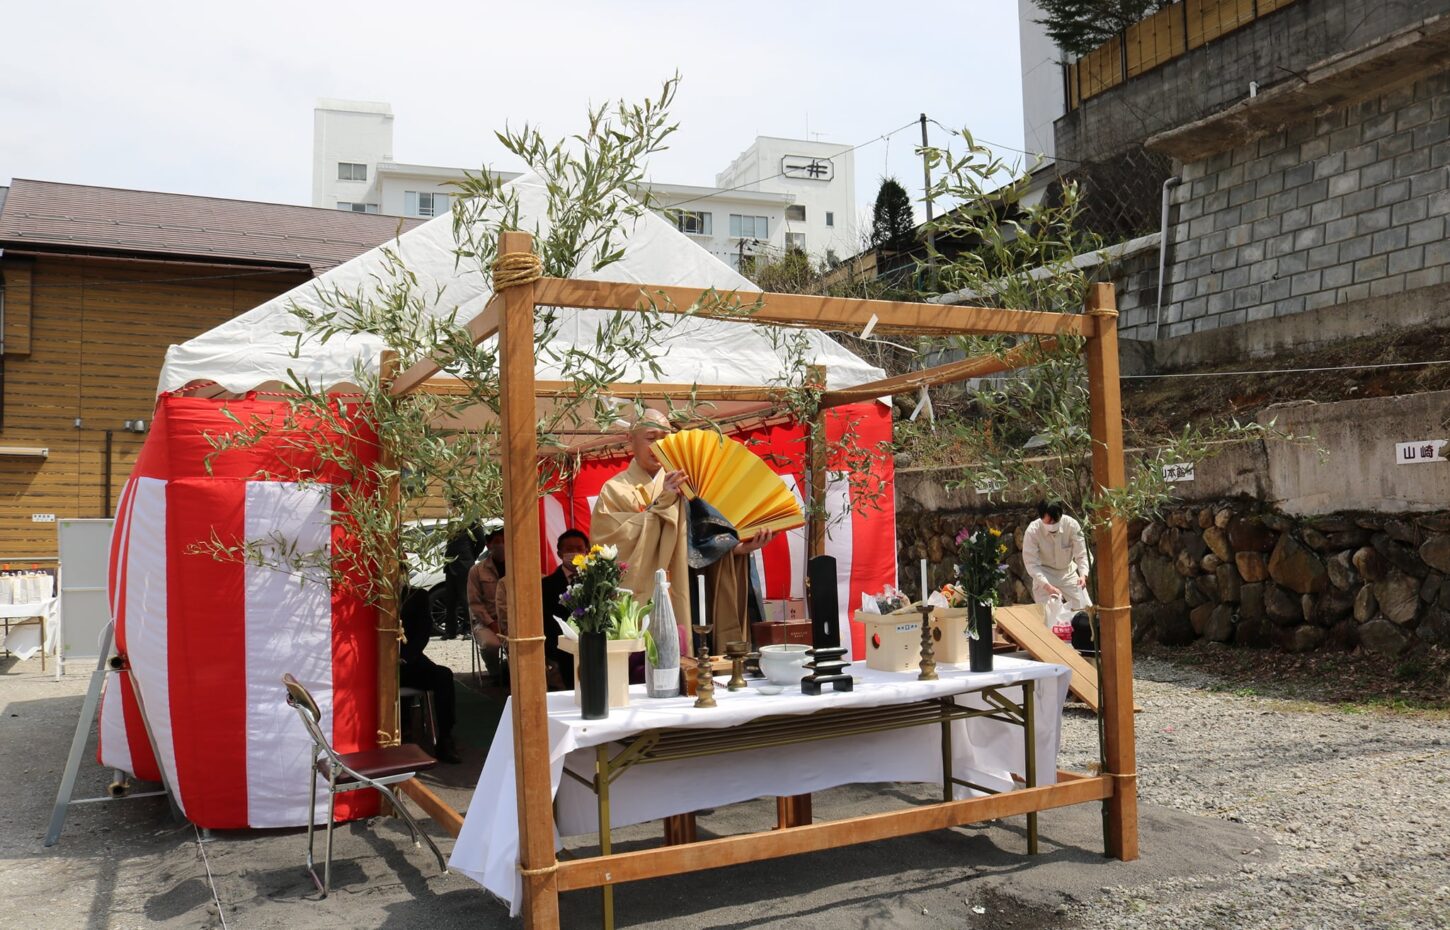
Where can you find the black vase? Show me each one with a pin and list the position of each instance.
(979, 647)
(593, 676)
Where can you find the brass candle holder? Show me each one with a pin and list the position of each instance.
(736, 653)
(704, 672)
(928, 651)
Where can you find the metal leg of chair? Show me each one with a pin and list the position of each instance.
(331, 821)
(312, 829)
(430, 719)
(413, 825)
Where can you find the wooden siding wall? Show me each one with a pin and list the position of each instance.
(1172, 31)
(98, 331)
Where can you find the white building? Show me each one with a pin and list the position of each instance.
(1043, 94)
(777, 194)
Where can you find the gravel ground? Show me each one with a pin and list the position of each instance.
(1354, 805)
(1257, 813)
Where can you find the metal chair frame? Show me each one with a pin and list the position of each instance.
(299, 698)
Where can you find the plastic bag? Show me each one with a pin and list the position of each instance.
(1058, 618)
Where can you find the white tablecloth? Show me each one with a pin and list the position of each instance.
(984, 751)
(24, 641)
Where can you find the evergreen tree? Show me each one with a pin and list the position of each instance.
(1079, 26)
(892, 222)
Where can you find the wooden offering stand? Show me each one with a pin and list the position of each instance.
(827, 668)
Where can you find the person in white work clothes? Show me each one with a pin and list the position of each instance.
(1055, 556)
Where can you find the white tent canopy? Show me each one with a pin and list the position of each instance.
(253, 349)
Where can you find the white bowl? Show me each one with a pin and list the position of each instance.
(782, 663)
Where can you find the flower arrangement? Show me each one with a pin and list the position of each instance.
(593, 599)
(980, 569)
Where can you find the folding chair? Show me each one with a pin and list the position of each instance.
(352, 771)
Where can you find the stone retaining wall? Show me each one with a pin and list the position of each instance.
(1232, 572)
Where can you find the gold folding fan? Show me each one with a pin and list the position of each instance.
(732, 479)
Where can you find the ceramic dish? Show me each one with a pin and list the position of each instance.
(770, 689)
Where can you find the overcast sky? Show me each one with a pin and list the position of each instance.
(216, 98)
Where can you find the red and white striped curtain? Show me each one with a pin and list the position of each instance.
(208, 640)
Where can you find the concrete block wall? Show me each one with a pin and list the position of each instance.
(1268, 51)
(1350, 206)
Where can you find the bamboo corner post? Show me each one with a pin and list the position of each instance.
(525, 591)
(816, 459)
(1111, 542)
(389, 621)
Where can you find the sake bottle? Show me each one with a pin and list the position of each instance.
(662, 670)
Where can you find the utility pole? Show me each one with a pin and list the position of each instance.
(930, 234)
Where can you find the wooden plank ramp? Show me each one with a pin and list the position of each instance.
(1023, 624)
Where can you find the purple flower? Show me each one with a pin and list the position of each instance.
(578, 613)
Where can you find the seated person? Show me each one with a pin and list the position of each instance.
(483, 580)
(569, 544)
(559, 665)
(416, 670)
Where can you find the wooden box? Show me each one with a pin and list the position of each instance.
(617, 653)
(893, 641)
(949, 635)
(773, 633)
(785, 609)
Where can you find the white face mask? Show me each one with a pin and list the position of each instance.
(1054, 527)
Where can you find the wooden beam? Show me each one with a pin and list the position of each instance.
(806, 310)
(978, 367)
(753, 847)
(453, 387)
(389, 621)
(1111, 547)
(480, 328)
(525, 598)
(435, 807)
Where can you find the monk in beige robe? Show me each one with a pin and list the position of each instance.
(642, 513)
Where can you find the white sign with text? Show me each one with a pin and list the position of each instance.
(1178, 471)
(1420, 452)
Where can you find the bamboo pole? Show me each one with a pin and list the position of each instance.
(797, 810)
(389, 622)
(525, 597)
(978, 367)
(1111, 544)
(806, 310)
(816, 459)
(713, 854)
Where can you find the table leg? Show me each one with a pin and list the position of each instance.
(601, 791)
(1029, 728)
(946, 753)
(793, 811)
(680, 829)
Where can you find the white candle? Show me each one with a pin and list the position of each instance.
(701, 580)
(923, 581)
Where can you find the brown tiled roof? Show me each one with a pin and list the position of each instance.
(80, 218)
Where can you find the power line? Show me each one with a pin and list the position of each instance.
(1010, 148)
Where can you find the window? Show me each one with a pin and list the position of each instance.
(357, 207)
(795, 241)
(830, 218)
(351, 171)
(749, 227)
(693, 222)
(796, 212)
(424, 203)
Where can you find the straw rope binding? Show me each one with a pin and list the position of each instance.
(513, 269)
